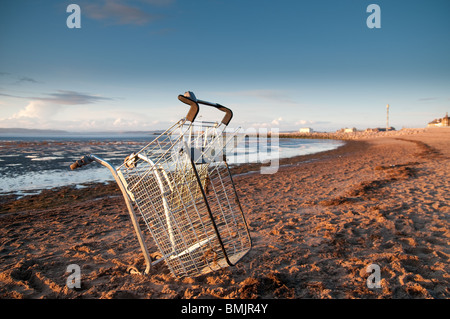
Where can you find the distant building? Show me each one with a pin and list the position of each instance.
(349, 130)
(445, 121)
(306, 130)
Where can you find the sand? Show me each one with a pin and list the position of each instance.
(316, 225)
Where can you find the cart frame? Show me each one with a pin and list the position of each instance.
(217, 142)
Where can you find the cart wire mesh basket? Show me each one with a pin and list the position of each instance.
(182, 188)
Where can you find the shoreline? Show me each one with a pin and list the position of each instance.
(75, 190)
(357, 135)
(316, 225)
(32, 166)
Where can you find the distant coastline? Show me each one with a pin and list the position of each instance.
(26, 131)
(18, 130)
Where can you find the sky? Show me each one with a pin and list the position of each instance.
(276, 64)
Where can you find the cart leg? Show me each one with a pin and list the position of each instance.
(132, 213)
(137, 229)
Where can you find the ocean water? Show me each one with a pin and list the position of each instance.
(29, 164)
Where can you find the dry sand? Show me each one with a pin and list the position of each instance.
(316, 225)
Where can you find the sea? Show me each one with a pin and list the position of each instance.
(31, 163)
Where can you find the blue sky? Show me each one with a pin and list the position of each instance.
(284, 64)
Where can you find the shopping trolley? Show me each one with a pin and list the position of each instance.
(182, 188)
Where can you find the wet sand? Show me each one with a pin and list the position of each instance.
(316, 225)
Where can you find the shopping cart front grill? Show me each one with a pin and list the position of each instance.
(182, 188)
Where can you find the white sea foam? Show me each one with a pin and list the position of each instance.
(33, 172)
(46, 158)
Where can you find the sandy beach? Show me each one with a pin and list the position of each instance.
(316, 225)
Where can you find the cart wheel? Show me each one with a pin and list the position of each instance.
(130, 161)
(133, 270)
(156, 255)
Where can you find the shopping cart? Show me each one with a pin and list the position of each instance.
(181, 185)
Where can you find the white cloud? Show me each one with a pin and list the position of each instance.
(277, 121)
(37, 109)
(284, 124)
(125, 123)
(50, 111)
(44, 115)
(131, 123)
(304, 122)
